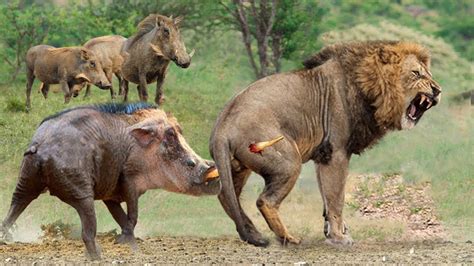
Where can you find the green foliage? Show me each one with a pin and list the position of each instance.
(294, 22)
(21, 28)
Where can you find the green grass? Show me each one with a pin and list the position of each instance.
(194, 95)
(439, 149)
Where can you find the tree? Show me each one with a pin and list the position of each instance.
(20, 29)
(271, 24)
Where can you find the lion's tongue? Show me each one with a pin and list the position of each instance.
(412, 111)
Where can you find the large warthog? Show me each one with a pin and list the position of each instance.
(149, 52)
(112, 153)
(68, 66)
(347, 98)
(108, 52)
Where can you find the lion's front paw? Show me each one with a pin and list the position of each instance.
(340, 241)
(289, 240)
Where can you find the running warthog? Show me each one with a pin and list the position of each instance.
(111, 152)
(108, 52)
(149, 52)
(67, 66)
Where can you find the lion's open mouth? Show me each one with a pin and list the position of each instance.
(419, 105)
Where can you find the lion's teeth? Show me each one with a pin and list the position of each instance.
(422, 100)
(429, 105)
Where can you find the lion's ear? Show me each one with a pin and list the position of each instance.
(388, 56)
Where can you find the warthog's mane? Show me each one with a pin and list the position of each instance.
(64, 49)
(99, 40)
(111, 108)
(145, 26)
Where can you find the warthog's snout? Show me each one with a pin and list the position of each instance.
(182, 63)
(104, 85)
(209, 174)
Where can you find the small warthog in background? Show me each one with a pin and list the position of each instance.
(149, 52)
(108, 52)
(67, 66)
(111, 152)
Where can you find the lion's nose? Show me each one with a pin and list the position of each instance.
(436, 90)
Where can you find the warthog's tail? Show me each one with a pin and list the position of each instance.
(227, 197)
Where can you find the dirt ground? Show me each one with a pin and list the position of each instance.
(231, 250)
(376, 202)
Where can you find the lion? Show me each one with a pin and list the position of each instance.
(346, 98)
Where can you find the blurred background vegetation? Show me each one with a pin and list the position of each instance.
(231, 53)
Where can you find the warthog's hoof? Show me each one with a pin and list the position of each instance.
(127, 239)
(5, 235)
(94, 254)
(254, 238)
(160, 101)
(258, 242)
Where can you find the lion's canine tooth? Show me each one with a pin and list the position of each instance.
(429, 105)
(423, 98)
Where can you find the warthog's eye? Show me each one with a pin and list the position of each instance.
(166, 31)
(170, 133)
(92, 63)
(416, 73)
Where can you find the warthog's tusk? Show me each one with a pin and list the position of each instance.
(83, 76)
(192, 53)
(260, 146)
(214, 174)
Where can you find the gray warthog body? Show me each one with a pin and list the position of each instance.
(346, 98)
(68, 66)
(149, 52)
(108, 52)
(112, 153)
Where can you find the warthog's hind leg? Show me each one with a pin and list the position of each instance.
(86, 211)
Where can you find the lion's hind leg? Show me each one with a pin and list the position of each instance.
(280, 170)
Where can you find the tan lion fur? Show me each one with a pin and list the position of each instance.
(346, 99)
(374, 68)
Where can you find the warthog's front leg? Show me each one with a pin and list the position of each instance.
(142, 91)
(67, 92)
(127, 235)
(332, 180)
(159, 98)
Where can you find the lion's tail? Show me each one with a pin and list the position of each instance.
(222, 157)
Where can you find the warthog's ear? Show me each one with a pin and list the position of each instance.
(145, 134)
(177, 21)
(85, 54)
(157, 23)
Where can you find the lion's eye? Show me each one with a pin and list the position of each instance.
(416, 73)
